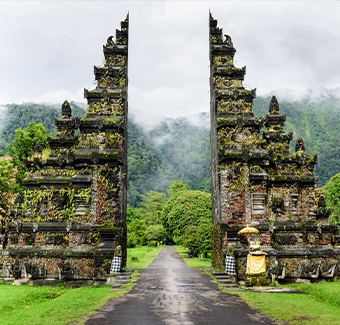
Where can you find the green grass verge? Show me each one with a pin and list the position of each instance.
(145, 255)
(195, 262)
(51, 305)
(33, 305)
(321, 306)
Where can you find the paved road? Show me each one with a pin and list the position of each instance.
(170, 292)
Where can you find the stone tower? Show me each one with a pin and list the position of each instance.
(256, 180)
(73, 215)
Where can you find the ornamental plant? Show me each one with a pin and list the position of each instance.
(8, 187)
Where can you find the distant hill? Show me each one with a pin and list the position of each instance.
(179, 148)
(14, 116)
(174, 149)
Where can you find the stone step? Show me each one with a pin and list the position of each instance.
(219, 274)
(225, 281)
(123, 277)
(235, 289)
(121, 282)
(230, 285)
(222, 277)
(116, 285)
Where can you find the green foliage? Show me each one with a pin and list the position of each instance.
(152, 207)
(332, 195)
(184, 146)
(7, 185)
(155, 234)
(185, 209)
(198, 237)
(136, 228)
(144, 225)
(23, 144)
(176, 187)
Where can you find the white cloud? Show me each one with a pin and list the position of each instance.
(48, 48)
(57, 96)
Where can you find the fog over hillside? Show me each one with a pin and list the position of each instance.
(166, 149)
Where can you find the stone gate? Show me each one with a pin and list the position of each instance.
(72, 217)
(257, 180)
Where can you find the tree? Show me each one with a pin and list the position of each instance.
(332, 195)
(198, 238)
(8, 187)
(152, 206)
(176, 187)
(23, 144)
(185, 209)
(135, 228)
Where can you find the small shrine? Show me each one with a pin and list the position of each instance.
(257, 180)
(70, 223)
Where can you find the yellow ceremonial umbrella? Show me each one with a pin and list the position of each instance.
(248, 230)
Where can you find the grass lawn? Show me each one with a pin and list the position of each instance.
(144, 254)
(33, 305)
(195, 262)
(321, 306)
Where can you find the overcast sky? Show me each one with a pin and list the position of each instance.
(48, 49)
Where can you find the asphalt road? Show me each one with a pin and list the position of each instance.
(170, 292)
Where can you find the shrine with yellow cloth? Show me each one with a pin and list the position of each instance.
(256, 260)
(256, 263)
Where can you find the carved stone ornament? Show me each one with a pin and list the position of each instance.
(38, 147)
(276, 270)
(322, 212)
(235, 94)
(327, 271)
(100, 123)
(306, 269)
(69, 156)
(66, 271)
(300, 146)
(18, 199)
(274, 106)
(322, 202)
(60, 160)
(66, 110)
(110, 41)
(228, 40)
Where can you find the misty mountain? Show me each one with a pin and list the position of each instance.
(174, 149)
(179, 148)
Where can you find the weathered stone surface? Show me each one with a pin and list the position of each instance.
(258, 181)
(73, 214)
